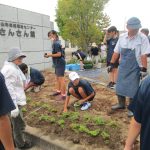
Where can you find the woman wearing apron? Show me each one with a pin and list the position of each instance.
(133, 48)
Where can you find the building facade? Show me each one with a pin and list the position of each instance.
(28, 31)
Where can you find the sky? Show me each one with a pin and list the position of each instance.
(119, 11)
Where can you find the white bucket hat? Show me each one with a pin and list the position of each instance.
(14, 53)
(73, 76)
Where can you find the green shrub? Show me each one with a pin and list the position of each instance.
(72, 61)
(88, 62)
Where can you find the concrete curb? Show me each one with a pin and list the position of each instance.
(45, 142)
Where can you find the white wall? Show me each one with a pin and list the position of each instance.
(27, 30)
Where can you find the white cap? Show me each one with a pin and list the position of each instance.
(73, 76)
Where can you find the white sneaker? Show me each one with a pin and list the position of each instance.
(86, 106)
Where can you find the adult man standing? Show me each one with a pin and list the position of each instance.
(133, 48)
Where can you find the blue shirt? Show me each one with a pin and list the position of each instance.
(84, 84)
(6, 103)
(58, 61)
(36, 76)
(111, 43)
(140, 107)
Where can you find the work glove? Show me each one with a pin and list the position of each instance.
(15, 112)
(143, 73)
(110, 67)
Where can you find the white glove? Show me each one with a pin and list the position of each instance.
(143, 74)
(15, 112)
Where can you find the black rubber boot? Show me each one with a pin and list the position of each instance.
(130, 113)
(120, 104)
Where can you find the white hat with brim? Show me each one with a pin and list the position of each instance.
(73, 76)
(15, 53)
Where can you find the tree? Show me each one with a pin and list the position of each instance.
(81, 21)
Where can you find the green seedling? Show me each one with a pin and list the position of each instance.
(66, 115)
(74, 126)
(99, 121)
(112, 124)
(24, 110)
(45, 106)
(38, 104)
(105, 135)
(44, 118)
(74, 116)
(83, 128)
(34, 113)
(53, 110)
(106, 142)
(76, 104)
(61, 123)
(87, 117)
(94, 133)
(78, 127)
(28, 99)
(52, 120)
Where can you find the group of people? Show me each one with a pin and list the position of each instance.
(128, 53)
(130, 57)
(16, 77)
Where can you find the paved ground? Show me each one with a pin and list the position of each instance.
(98, 75)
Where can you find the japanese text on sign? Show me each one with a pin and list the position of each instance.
(15, 29)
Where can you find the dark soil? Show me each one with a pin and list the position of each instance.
(45, 112)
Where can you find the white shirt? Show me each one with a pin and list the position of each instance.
(139, 42)
(14, 79)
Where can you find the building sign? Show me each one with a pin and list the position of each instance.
(15, 29)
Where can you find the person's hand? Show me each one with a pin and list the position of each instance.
(15, 112)
(81, 102)
(143, 73)
(110, 67)
(46, 55)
